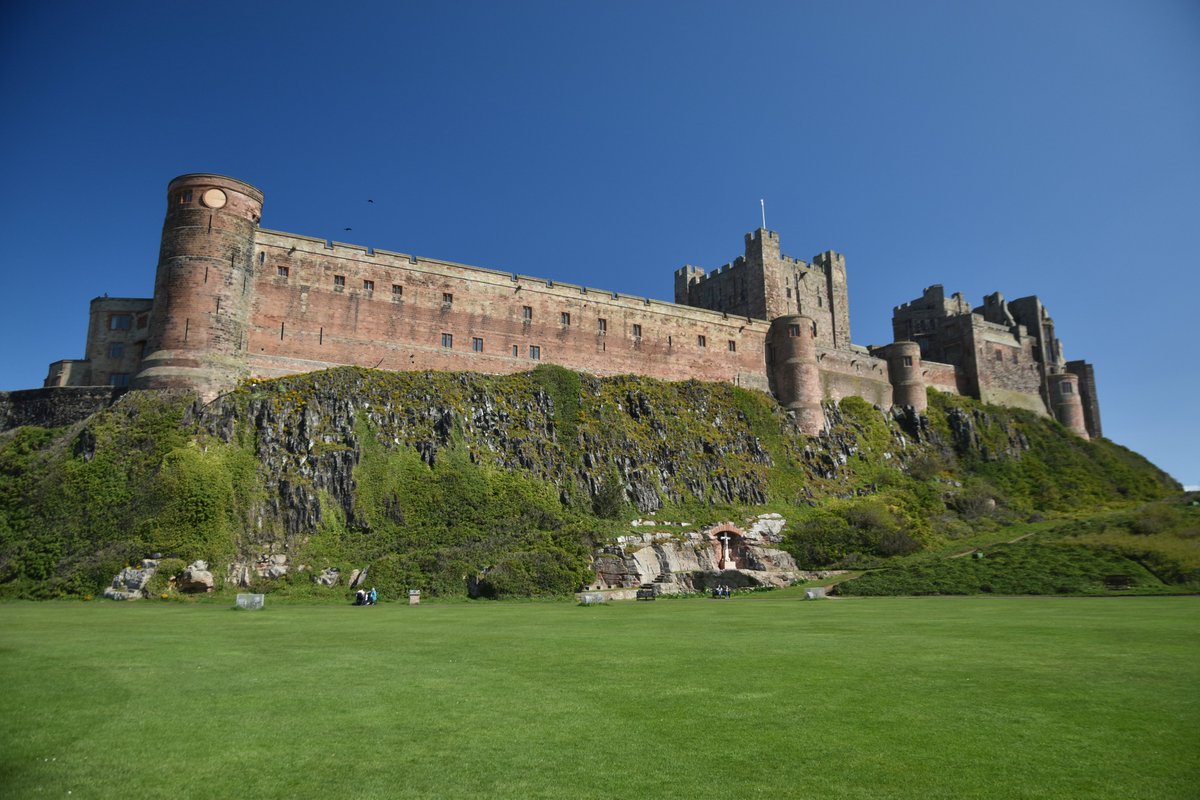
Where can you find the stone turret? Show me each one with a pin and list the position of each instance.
(204, 286)
(904, 373)
(1066, 403)
(794, 370)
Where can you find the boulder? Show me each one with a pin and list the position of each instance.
(195, 578)
(328, 576)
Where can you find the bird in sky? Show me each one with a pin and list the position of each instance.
(347, 229)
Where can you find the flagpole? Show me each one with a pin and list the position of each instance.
(763, 204)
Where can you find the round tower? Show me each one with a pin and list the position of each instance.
(904, 373)
(204, 286)
(1065, 402)
(794, 369)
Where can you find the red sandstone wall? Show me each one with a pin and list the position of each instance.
(849, 373)
(305, 321)
(943, 377)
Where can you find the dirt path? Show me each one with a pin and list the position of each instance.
(974, 549)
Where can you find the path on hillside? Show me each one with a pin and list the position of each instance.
(1010, 541)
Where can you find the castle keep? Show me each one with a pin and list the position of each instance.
(233, 301)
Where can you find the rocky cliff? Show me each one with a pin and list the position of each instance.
(510, 484)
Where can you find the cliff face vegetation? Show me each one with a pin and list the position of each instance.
(509, 483)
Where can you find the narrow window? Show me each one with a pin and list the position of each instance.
(527, 314)
(281, 272)
(397, 291)
(602, 326)
(119, 322)
(789, 293)
(1066, 388)
(999, 355)
(516, 350)
(702, 341)
(535, 352)
(368, 286)
(793, 331)
(116, 350)
(907, 361)
(447, 340)
(732, 346)
(637, 331)
(820, 301)
(339, 282)
(447, 299)
(565, 319)
(476, 344)
(1014, 356)
(185, 197)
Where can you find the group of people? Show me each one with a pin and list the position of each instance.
(721, 590)
(365, 598)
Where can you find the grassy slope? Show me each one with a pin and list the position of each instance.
(1154, 548)
(757, 697)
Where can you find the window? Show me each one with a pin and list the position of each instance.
(565, 319)
(516, 350)
(732, 346)
(476, 345)
(116, 350)
(602, 326)
(447, 299)
(1066, 388)
(185, 197)
(535, 352)
(119, 322)
(999, 355)
(339, 282)
(637, 331)
(793, 331)
(447, 340)
(702, 341)
(119, 379)
(282, 272)
(1014, 356)
(907, 361)
(527, 314)
(397, 291)
(368, 286)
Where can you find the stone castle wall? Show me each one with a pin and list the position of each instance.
(318, 304)
(233, 300)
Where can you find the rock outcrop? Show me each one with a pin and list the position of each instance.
(691, 561)
(130, 582)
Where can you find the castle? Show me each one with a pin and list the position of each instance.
(233, 301)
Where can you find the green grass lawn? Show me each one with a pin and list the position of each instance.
(763, 696)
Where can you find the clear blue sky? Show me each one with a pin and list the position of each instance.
(1048, 147)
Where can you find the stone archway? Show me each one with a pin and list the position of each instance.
(726, 539)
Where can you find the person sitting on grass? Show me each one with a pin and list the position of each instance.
(372, 596)
(360, 598)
